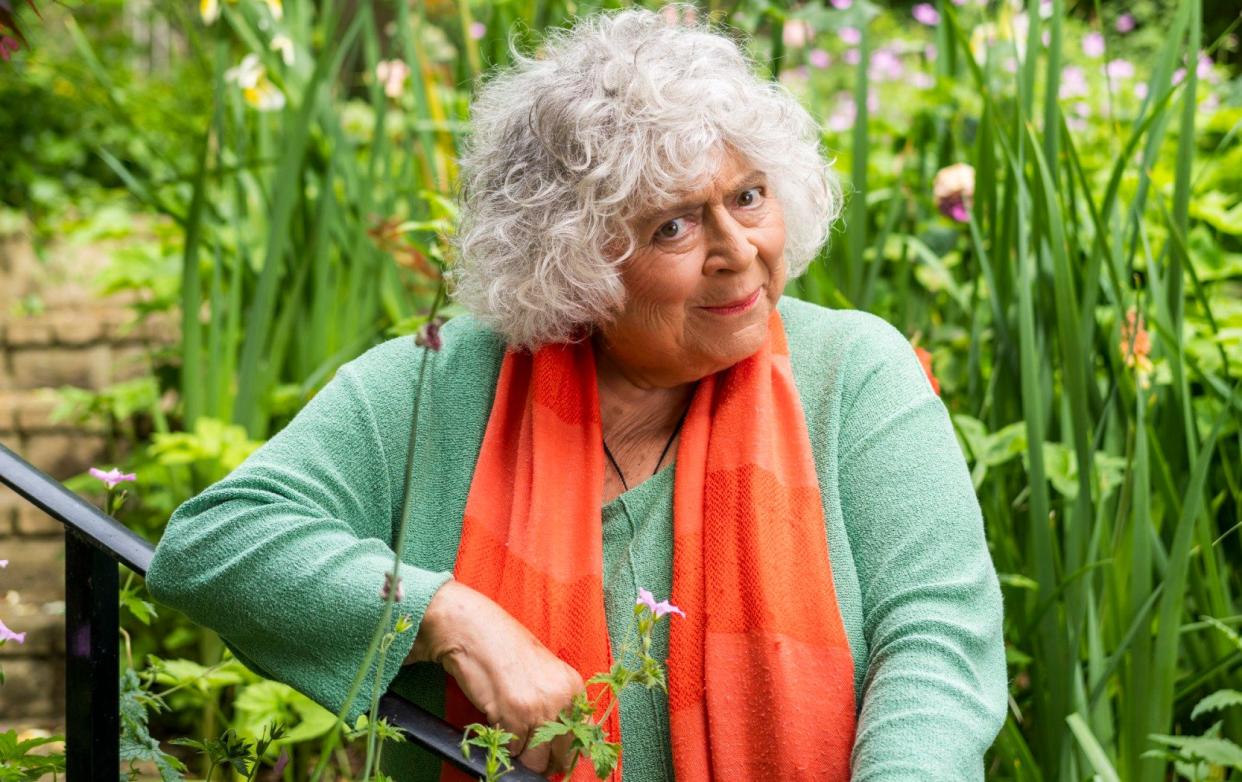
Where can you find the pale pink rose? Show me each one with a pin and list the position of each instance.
(796, 33)
(954, 191)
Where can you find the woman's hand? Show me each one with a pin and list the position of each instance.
(501, 667)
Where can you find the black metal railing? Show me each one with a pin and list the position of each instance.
(94, 544)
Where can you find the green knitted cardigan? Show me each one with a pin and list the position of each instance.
(285, 557)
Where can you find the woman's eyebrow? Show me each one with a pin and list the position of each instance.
(745, 181)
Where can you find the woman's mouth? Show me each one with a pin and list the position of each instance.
(736, 307)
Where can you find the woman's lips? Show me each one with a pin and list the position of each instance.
(736, 307)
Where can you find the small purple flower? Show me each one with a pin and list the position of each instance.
(843, 116)
(384, 589)
(1204, 69)
(1093, 44)
(926, 13)
(429, 335)
(1125, 23)
(661, 608)
(1178, 76)
(841, 5)
(112, 477)
(8, 47)
(281, 761)
(850, 36)
(8, 635)
(922, 80)
(1073, 82)
(1119, 69)
(477, 30)
(818, 58)
(885, 66)
(1140, 90)
(851, 56)
(931, 52)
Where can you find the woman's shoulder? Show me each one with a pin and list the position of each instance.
(848, 354)
(467, 349)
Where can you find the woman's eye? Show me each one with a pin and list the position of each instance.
(750, 196)
(670, 230)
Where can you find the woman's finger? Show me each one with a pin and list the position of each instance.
(536, 758)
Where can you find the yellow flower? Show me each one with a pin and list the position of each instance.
(209, 10)
(276, 7)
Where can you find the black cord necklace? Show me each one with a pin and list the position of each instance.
(663, 453)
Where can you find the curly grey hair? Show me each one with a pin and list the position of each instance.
(620, 116)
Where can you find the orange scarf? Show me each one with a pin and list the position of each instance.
(761, 679)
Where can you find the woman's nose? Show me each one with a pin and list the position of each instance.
(728, 244)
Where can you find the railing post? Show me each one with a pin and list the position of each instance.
(92, 663)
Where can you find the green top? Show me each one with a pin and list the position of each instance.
(285, 557)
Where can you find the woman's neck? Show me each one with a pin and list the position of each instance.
(633, 410)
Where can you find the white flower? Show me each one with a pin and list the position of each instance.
(209, 10)
(260, 93)
(392, 74)
(277, 9)
(247, 73)
(283, 44)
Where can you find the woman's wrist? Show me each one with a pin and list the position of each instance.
(435, 638)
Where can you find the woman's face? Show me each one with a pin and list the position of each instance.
(700, 291)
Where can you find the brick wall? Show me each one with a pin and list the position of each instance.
(81, 340)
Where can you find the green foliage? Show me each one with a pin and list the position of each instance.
(18, 764)
(137, 745)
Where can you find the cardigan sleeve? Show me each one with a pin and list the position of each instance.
(286, 557)
(935, 691)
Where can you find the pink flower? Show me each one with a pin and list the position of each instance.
(8, 635)
(1140, 90)
(112, 477)
(477, 30)
(851, 57)
(850, 36)
(922, 80)
(4, 563)
(1073, 82)
(926, 13)
(1125, 23)
(661, 608)
(8, 46)
(1119, 69)
(1178, 76)
(1093, 44)
(885, 66)
(841, 5)
(930, 51)
(1204, 69)
(384, 589)
(818, 58)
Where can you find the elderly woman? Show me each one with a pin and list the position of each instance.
(631, 403)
